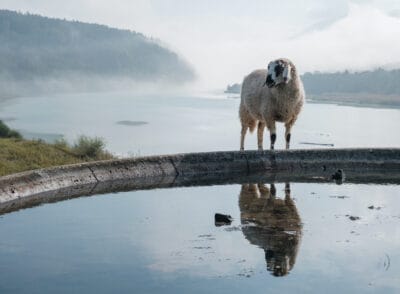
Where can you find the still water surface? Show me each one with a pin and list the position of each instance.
(144, 125)
(165, 241)
(314, 238)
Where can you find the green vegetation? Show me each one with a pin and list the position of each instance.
(18, 154)
(6, 132)
(85, 148)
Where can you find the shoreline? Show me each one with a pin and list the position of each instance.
(353, 104)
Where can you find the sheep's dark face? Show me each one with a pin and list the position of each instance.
(279, 72)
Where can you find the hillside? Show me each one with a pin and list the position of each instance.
(36, 47)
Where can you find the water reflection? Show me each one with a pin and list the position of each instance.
(272, 224)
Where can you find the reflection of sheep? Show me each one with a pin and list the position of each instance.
(272, 224)
(268, 96)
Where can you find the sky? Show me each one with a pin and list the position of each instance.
(225, 40)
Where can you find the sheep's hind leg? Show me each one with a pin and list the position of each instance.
(248, 123)
(260, 135)
(243, 135)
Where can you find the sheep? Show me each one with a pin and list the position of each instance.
(269, 96)
(272, 224)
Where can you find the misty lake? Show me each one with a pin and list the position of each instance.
(149, 124)
(329, 238)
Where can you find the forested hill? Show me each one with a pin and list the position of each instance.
(379, 81)
(33, 46)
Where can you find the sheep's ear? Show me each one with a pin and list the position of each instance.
(287, 72)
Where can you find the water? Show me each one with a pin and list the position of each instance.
(165, 240)
(171, 124)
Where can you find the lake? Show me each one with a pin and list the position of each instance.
(294, 237)
(144, 125)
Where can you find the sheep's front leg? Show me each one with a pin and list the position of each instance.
(288, 127)
(260, 135)
(287, 137)
(272, 131)
(273, 192)
(287, 191)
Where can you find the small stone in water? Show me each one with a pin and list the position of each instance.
(222, 219)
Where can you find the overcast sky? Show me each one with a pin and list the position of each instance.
(226, 39)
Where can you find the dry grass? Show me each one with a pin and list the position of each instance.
(18, 155)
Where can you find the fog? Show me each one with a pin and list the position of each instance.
(224, 40)
(80, 83)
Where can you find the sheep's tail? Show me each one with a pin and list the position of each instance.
(252, 126)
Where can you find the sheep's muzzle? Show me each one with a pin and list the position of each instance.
(269, 82)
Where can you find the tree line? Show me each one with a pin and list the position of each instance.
(378, 81)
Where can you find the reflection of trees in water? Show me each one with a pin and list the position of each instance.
(272, 224)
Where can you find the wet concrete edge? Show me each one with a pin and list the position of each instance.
(311, 165)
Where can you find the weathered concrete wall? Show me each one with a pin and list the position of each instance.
(55, 184)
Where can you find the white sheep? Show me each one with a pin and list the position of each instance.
(269, 96)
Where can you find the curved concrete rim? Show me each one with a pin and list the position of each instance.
(367, 165)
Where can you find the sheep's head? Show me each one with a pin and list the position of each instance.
(279, 72)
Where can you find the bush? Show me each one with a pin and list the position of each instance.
(61, 144)
(85, 148)
(6, 132)
(89, 147)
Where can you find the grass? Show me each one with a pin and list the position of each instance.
(18, 154)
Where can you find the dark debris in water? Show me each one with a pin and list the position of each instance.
(247, 272)
(233, 229)
(205, 236)
(222, 219)
(352, 217)
(339, 196)
(317, 144)
(132, 123)
(202, 247)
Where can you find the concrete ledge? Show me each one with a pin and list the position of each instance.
(317, 165)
